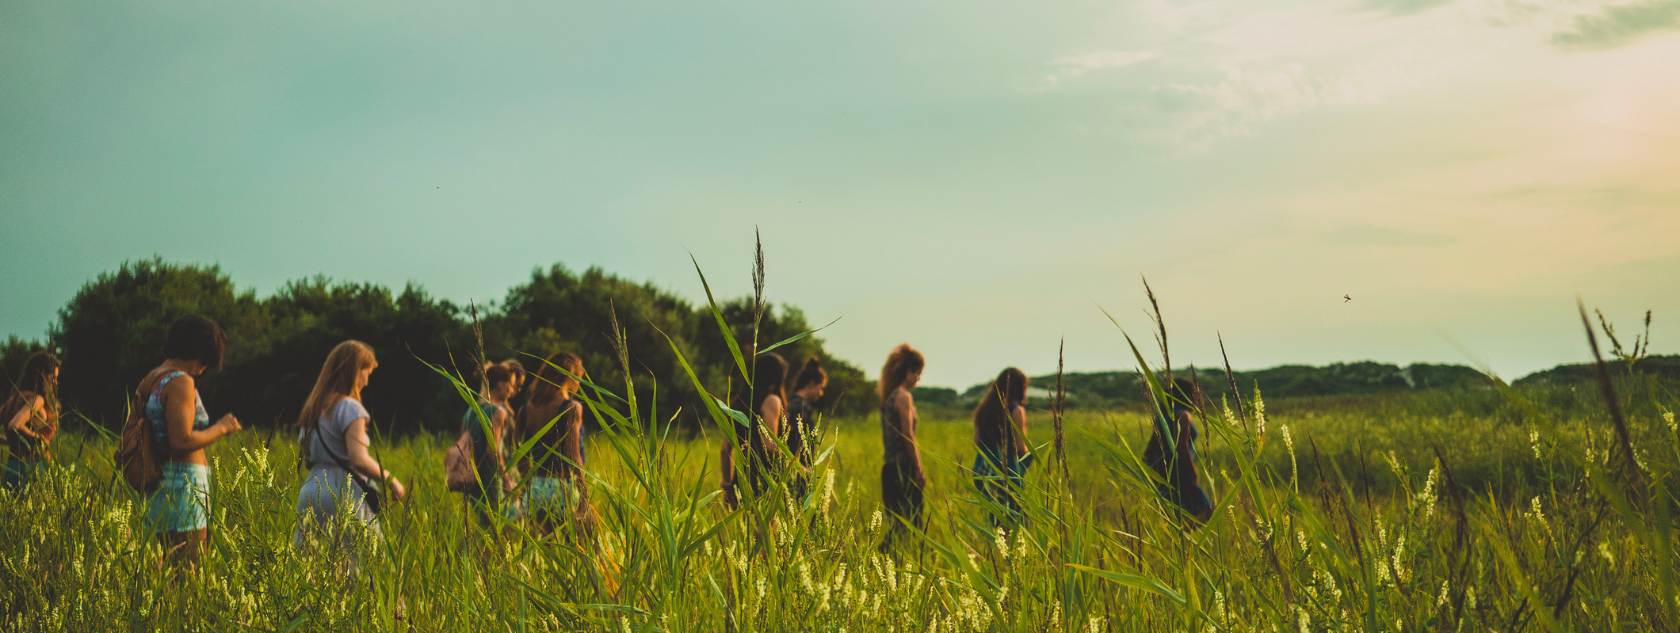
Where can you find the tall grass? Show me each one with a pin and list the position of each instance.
(1356, 517)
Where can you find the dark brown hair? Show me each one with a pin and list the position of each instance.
(991, 416)
(496, 374)
(769, 379)
(811, 373)
(550, 379)
(903, 361)
(1184, 393)
(194, 337)
(36, 373)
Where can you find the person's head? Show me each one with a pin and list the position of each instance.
(518, 370)
(903, 369)
(40, 373)
(769, 379)
(498, 383)
(1009, 388)
(195, 338)
(343, 375)
(811, 380)
(1184, 393)
(551, 382)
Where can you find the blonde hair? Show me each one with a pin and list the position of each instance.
(337, 380)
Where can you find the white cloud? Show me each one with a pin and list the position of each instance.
(1070, 66)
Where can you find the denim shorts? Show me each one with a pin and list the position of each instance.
(182, 500)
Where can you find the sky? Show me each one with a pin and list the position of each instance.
(980, 179)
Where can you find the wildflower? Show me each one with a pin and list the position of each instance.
(875, 522)
(1604, 550)
(1002, 540)
(1442, 600)
(1305, 622)
(1259, 413)
(1219, 604)
(1470, 598)
(1294, 470)
(1534, 442)
(1096, 623)
(1428, 494)
(624, 623)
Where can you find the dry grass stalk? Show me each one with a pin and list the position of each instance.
(1629, 466)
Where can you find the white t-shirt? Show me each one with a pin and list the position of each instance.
(330, 429)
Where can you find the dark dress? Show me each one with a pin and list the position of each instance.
(902, 479)
(1183, 489)
(801, 418)
(997, 466)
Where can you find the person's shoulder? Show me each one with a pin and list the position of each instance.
(349, 410)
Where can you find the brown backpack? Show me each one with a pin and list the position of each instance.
(136, 457)
(459, 471)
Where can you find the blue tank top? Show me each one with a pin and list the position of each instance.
(155, 414)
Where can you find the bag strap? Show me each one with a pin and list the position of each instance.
(361, 480)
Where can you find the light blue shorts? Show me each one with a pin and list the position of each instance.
(549, 495)
(182, 500)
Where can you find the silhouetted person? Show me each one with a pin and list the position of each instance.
(1000, 442)
(31, 418)
(801, 422)
(902, 477)
(763, 405)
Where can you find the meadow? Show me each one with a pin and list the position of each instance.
(1454, 511)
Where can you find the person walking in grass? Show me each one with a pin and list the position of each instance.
(902, 477)
(763, 404)
(1177, 464)
(486, 434)
(801, 422)
(333, 440)
(1000, 441)
(31, 417)
(557, 494)
(179, 509)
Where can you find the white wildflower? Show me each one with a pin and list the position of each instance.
(1604, 550)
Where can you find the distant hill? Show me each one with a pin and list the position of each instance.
(1118, 388)
(1121, 388)
(1662, 366)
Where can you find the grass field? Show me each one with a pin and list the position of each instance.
(1337, 516)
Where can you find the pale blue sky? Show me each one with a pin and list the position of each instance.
(971, 177)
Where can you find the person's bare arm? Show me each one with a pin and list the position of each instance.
(572, 446)
(179, 409)
(905, 405)
(20, 422)
(1019, 417)
(1184, 449)
(771, 413)
(356, 441)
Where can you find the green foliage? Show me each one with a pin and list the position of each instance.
(111, 333)
(1119, 389)
(13, 354)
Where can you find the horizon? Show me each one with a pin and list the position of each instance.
(975, 181)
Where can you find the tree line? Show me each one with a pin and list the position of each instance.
(112, 330)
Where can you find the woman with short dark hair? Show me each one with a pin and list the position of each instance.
(762, 403)
(179, 509)
(1000, 440)
(31, 418)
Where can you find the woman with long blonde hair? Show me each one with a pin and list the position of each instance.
(902, 477)
(334, 443)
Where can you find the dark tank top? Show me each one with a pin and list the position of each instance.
(800, 417)
(896, 437)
